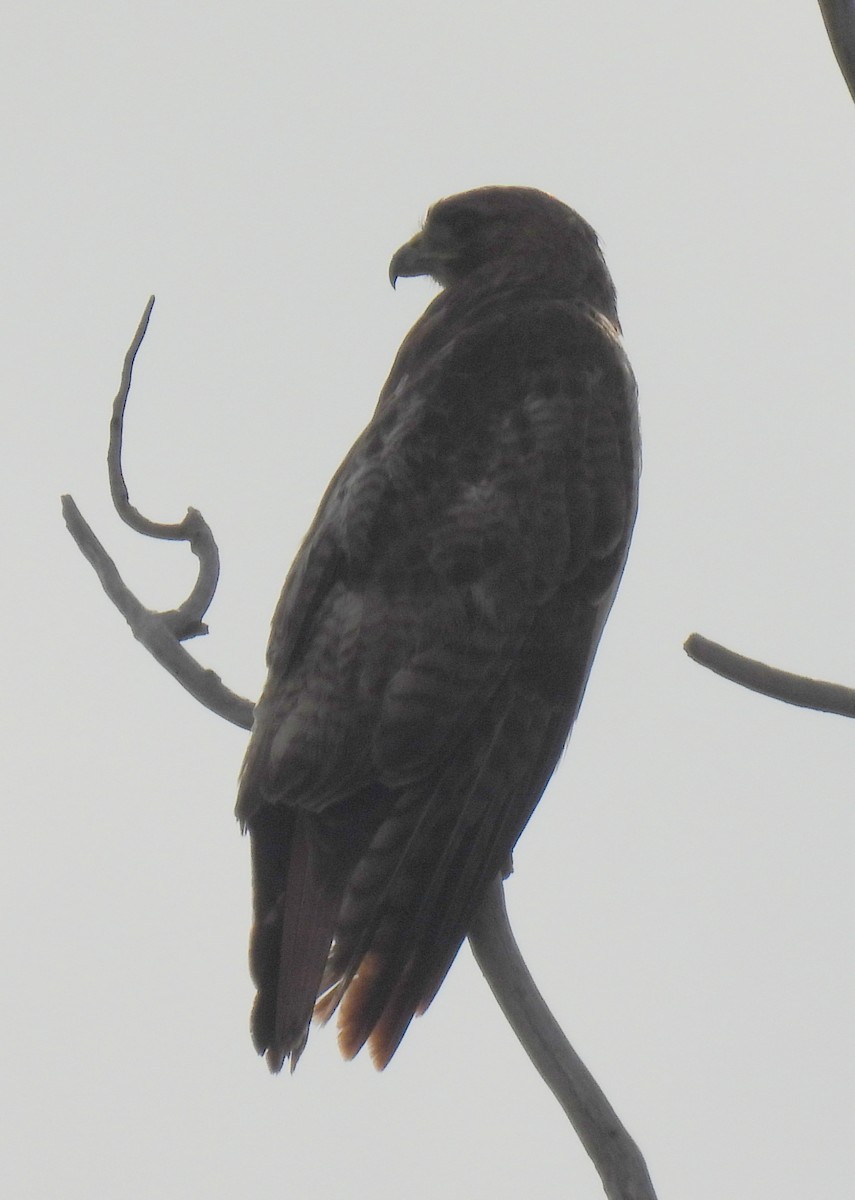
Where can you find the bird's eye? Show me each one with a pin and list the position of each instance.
(462, 222)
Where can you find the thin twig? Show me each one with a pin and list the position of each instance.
(613, 1152)
(839, 18)
(194, 529)
(771, 681)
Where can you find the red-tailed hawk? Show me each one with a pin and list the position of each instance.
(433, 639)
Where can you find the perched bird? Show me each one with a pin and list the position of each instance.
(434, 636)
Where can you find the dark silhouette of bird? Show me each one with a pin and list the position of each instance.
(435, 633)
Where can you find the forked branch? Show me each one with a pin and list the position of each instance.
(160, 632)
(612, 1151)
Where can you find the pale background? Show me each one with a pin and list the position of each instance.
(684, 894)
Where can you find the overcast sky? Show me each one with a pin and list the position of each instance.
(684, 893)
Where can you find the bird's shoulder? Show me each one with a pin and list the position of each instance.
(486, 446)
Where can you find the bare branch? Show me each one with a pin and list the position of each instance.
(613, 1152)
(839, 18)
(154, 631)
(770, 681)
(160, 632)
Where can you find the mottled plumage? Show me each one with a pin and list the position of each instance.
(434, 636)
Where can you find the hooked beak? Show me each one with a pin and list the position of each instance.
(413, 258)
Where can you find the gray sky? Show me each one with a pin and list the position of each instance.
(684, 893)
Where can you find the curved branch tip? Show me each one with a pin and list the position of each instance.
(160, 632)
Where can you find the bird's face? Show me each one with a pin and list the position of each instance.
(465, 232)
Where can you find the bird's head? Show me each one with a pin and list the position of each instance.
(523, 229)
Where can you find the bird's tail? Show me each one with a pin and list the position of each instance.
(296, 906)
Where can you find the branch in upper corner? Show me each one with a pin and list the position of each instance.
(618, 1160)
(839, 18)
(770, 681)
